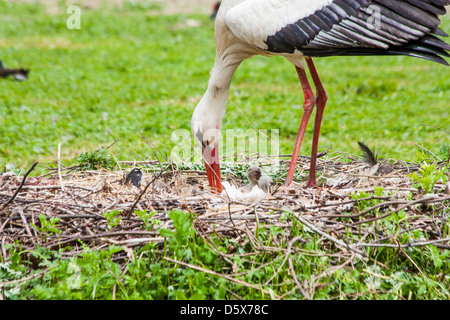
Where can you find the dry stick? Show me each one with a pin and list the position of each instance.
(4, 224)
(59, 168)
(409, 258)
(375, 207)
(317, 230)
(3, 249)
(429, 125)
(40, 274)
(115, 283)
(291, 268)
(417, 145)
(345, 202)
(246, 284)
(151, 145)
(25, 222)
(21, 185)
(212, 245)
(145, 189)
(283, 262)
(423, 200)
(113, 143)
(411, 244)
(331, 270)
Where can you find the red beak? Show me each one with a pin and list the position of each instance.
(211, 158)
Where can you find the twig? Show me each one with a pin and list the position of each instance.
(410, 244)
(379, 205)
(411, 203)
(142, 193)
(40, 274)
(246, 284)
(429, 125)
(428, 151)
(291, 269)
(59, 168)
(109, 146)
(25, 222)
(317, 230)
(21, 185)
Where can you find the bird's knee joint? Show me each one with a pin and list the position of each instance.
(309, 104)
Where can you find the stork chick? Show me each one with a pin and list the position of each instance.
(253, 174)
(256, 178)
(264, 183)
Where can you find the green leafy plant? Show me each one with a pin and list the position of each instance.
(146, 218)
(47, 227)
(429, 174)
(444, 152)
(113, 218)
(100, 158)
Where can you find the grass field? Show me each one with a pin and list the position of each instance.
(134, 71)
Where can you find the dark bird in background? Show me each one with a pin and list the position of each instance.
(216, 7)
(18, 74)
(371, 158)
(135, 176)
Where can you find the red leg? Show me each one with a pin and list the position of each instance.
(320, 107)
(308, 107)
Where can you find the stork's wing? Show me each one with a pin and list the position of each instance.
(342, 27)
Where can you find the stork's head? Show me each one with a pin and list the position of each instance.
(205, 124)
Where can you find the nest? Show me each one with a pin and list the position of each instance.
(81, 201)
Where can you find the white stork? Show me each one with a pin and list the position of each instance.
(300, 30)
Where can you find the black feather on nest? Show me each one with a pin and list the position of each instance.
(370, 157)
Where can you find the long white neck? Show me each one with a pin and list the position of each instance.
(209, 112)
(230, 52)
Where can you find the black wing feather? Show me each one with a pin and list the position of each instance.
(406, 27)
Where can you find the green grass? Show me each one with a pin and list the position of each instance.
(128, 72)
(256, 270)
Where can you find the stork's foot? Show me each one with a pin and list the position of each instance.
(311, 184)
(287, 183)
